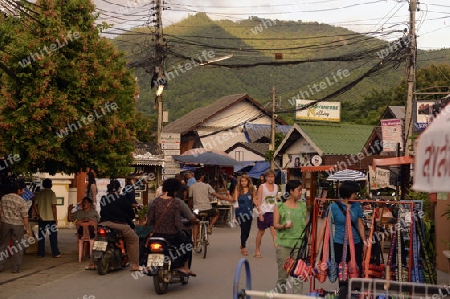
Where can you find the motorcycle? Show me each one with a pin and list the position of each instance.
(109, 250)
(160, 264)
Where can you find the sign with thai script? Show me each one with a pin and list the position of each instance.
(392, 132)
(323, 111)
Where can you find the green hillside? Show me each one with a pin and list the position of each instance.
(256, 40)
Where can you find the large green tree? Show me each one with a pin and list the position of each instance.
(70, 102)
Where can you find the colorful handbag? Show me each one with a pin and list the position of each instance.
(303, 268)
(373, 261)
(332, 265)
(321, 268)
(353, 269)
(289, 264)
(343, 266)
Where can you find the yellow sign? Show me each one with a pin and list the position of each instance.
(324, 111)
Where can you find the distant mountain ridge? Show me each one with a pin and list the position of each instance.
(260, 40)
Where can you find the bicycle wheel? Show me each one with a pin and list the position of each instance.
(199, 240)
(205, 240)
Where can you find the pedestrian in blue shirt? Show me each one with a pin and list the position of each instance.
(244, 194)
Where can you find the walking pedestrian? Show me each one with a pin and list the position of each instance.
(45, 208)
(244, 195)
(266, 198)
(289, 220)
(14, 222)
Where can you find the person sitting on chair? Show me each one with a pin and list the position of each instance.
(86, 213)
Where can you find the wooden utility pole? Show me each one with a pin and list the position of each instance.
(272, 135)
(411, 77)
(159, 69)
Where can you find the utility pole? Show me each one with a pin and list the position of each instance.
(159, 69)
(272, 135)
(411, 77)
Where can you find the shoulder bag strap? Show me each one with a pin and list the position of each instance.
(353, 224)
(160, 218)
(351, 241)
(345, 245)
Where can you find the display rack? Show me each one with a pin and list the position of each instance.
(319, 202)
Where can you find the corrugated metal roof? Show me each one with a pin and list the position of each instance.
(147, 154)
(254, 132)
(328, 138)
(398, 111)
(257, 148)
(338, 139)
(196, 117)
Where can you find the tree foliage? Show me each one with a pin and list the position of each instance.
(202, 85)
(72, 105)
(431, 78)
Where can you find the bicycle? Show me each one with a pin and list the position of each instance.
(202, 240)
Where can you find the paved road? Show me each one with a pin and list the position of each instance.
(66, 278)
(214, 279)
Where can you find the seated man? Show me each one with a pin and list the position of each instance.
(200, 192)
(86, 213)
(117, 213)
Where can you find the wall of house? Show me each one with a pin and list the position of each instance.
(301, 146)
(64, 194)
(242, 154)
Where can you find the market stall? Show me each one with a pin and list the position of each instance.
(401, 232)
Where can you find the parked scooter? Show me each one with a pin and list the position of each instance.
(109, 250)
(161, 263)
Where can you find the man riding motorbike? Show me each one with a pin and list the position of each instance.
(116, 212)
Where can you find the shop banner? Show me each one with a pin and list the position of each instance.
(380, 178)
(432, 156)
(324, 111)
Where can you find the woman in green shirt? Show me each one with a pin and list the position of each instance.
(289, 219)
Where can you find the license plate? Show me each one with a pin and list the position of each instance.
(100, 245)
(155, 260)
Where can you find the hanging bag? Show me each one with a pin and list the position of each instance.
(374, 261)
(353, 269)
(332, 265)
(303, 268)
(290, 261)
(321, 268)
(343, 266)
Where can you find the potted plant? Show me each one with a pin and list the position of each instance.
(142, 215)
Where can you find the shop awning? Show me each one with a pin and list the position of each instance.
(392, 161)
(318, 168)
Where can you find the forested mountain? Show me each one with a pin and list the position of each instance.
(311, 53)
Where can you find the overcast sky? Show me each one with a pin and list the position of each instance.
(433, 19)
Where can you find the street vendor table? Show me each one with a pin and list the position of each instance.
(226, 206)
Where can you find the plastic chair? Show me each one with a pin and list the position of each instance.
(85, 237)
